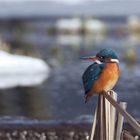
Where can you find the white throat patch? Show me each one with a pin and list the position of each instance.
(98, 62)
(115, 60)
(112, 60)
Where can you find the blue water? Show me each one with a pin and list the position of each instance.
(61, 97)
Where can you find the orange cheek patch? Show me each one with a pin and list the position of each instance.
(104, 58)
(108, 58)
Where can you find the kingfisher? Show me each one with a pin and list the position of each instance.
(102, 75)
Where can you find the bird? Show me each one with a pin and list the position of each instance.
(102, 75)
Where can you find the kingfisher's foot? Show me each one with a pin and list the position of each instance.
(110, 91)
(104, 91)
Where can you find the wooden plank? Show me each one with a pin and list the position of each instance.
(104, 119)
(120, 121)
(112, 116)
(94, 124)
(101, 121)
(107, 117)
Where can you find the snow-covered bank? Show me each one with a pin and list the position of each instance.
(17, 70)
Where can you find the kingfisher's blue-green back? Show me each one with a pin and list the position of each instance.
(91, 74)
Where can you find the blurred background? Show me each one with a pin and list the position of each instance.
(41, 42)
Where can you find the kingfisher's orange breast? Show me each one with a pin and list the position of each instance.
(107, 79)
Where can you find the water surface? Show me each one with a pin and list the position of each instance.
(61, 97)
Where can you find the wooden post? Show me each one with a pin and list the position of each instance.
(101, 119)
(95, 120)
(120, 121)
(127, 116)
(103, 127)
(107, 118)
(112, 116)
(94, 124)
(104, 120)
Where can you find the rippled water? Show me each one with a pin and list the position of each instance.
(61, 97)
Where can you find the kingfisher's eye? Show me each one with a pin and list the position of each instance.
(101, 57)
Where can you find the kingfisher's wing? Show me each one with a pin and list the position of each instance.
(91, 74)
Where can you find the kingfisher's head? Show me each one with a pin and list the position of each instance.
(104, 56)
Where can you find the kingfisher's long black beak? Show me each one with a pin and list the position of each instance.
(93, 58)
